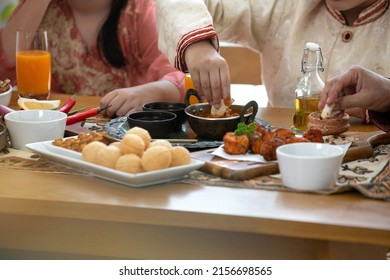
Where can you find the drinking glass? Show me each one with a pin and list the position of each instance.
(33, 64)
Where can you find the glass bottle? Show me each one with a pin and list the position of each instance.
(309, 88)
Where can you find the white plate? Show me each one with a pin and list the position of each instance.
(73, 159)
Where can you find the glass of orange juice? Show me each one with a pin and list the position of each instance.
(33, 64)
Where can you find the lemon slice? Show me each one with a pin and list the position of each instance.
(34, 104)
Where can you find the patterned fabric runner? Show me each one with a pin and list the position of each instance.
(371, 177)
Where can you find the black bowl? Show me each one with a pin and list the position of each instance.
(158, 123)
(174, 107)
(216, 128)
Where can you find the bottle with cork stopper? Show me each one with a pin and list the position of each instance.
(309, 88)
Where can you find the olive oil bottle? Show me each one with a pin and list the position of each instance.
(309, 88)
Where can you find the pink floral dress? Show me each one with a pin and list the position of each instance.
(78, 69)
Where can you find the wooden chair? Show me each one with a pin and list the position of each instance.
(244, 64)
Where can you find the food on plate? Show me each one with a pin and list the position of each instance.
(258, 140)
(268, 149)
(132, 144)
(77, 144)
(235, 144)
(161, 142)
(180, 156)
(339, 139)
(4, 85)
(130, 163)
(155, 158)
(129, 154)
(330, 126)
(117, 144)
(283, 134)
(90, 151)
(143, 133)
(34, 104)
(108, 156)
(68, 105)
(314, 135)
(83, 115)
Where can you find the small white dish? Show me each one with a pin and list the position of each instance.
(73, 159)
(29, 126)
(309, 166)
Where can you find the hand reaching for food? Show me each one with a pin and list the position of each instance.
(222, 110)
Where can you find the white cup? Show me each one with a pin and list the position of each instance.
(309, 166)
(29, 126)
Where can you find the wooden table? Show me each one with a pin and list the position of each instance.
(48, 215)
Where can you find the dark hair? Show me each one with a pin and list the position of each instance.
(108, 42)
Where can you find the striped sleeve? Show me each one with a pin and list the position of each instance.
(199, 34)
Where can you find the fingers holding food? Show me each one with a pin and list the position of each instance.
(330, 126)
(223, 108)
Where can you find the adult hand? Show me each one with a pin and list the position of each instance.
(209, 72)
(129, 100)
(122, 101)
(357, 87)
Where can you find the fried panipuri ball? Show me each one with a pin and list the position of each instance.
(108, 156)
(130, 163)
(117, 143)
(180, 156)
(141, 132)
(89, 152)
(161, 142)
(132, 144)
(155, 158)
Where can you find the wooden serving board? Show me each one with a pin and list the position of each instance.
(245, 170)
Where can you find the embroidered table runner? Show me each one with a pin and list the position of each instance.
(371, 177)
(368, 176)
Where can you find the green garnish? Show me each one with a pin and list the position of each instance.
(242, 128)
(250, 129)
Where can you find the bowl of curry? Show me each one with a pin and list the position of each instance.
(208, 127)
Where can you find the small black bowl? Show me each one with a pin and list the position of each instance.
(158, 123)
(174, 107)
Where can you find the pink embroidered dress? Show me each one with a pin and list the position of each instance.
(77, 69)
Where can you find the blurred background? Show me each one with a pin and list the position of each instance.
(6, 8)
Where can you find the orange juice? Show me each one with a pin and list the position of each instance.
(33, 72)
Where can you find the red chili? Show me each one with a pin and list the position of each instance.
(68, 104)
(84, 115)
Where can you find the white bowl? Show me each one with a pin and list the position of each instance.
(309, 166)
(29, 126)
(5, 97)
(3, 136)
